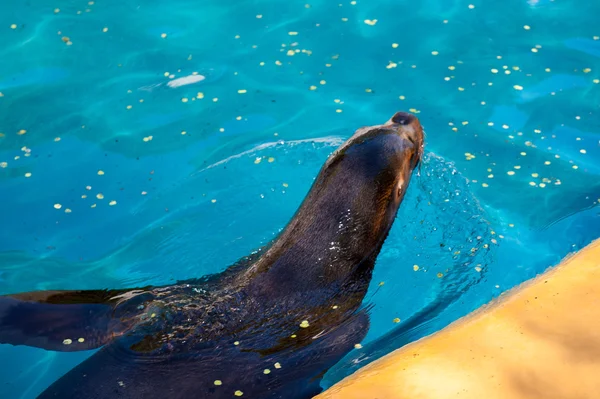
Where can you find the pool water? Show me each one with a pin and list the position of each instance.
(112, 177)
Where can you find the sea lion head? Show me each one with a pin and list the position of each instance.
(380, 160)
(401, 138)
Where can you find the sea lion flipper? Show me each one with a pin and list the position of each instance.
(63, 321)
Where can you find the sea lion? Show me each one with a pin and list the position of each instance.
(269, 326)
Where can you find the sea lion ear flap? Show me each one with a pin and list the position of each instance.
(65, 321)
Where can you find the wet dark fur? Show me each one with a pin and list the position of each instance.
(175, 341)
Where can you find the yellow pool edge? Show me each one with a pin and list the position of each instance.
(538, 340)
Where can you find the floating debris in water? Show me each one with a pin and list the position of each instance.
(186, 80)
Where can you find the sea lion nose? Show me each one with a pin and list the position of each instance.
(403, 118)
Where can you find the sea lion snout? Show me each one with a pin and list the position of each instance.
(408, 126)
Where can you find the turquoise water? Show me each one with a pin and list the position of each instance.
(508, 93)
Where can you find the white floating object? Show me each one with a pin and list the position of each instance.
(186, 80)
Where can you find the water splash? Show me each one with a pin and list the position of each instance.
(440, 247)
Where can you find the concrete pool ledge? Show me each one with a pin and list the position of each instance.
(538, 340)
